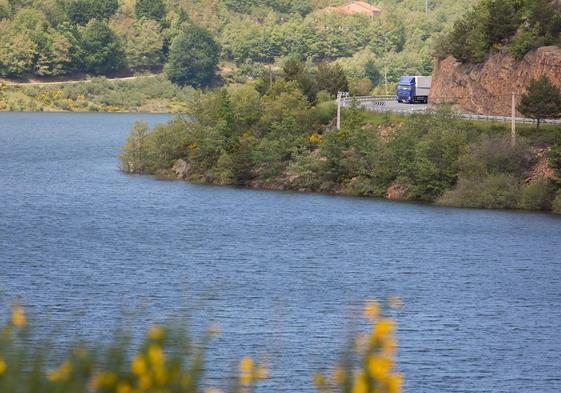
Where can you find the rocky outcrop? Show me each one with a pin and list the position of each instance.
(181, 169)
(487, 88)
(542, 169)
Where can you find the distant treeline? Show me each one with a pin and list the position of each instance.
(517, 26)
(103, 37)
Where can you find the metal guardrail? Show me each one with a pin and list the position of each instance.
(367, 99)
(379, 106)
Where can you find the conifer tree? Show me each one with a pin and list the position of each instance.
(541, 101)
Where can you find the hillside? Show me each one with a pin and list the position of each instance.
(502, 26)
(53, 38)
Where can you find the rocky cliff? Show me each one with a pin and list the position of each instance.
(487, 88)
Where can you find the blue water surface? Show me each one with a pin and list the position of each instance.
(82, 243)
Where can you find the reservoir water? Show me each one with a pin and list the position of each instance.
(81, 242)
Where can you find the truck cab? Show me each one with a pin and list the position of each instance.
(414, 89)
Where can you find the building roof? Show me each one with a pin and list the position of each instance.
(357, 7)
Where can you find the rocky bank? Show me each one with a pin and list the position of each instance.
(487, 88)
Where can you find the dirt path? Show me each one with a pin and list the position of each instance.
(35, 82)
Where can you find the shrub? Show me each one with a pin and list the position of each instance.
(536, 196)
(557, 203)
(167, 360)
(523, 42)
(492, 192)
(495, 155)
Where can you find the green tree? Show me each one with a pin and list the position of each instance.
(193, 58)
(17, 55)
(150, 9)
(502, 21)
(541, 101)
(103, 52)
(82, 11)
(144, 45)
(331, 78)
(134, 157)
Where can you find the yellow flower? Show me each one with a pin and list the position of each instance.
(319, 380)
(18, 316)
(394, 383)
(339, 375)
(389, 346)
(156, 355)
(371, 310)
(246, 365)
(104, 380)
(156, 333)
(145, 382)
(315, 138)
(124, 387)
(360, 385)
(383, 329)
(160, 376)
(246, 371)
(3, 366)
(61, 373)
(379, 367)
(138, 365)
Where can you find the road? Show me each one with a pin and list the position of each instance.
(389, 104)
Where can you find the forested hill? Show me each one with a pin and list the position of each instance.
(511, 26)
(103, 37)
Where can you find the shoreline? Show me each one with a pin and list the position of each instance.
(170, 177)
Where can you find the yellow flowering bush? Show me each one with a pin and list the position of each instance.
(369, 366)
(166, 361)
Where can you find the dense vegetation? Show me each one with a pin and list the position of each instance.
(517, 26)
(153, 94)
(169, 361)
(104, 37)
(278, 133)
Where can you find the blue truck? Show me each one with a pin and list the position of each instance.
(414, 89)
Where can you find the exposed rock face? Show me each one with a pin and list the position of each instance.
(181, 169)
(487, 88)
(542, 169)
(396, 192)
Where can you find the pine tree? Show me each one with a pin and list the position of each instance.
(541, 101)
(502, 21)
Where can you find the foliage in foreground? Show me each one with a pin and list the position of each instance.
(279, 134)
(167, 361)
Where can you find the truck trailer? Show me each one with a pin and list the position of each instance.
(414, 89)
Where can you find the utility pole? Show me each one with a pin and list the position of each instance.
(339, 96)
(513, 131)
(386, 77)
(426, 7)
